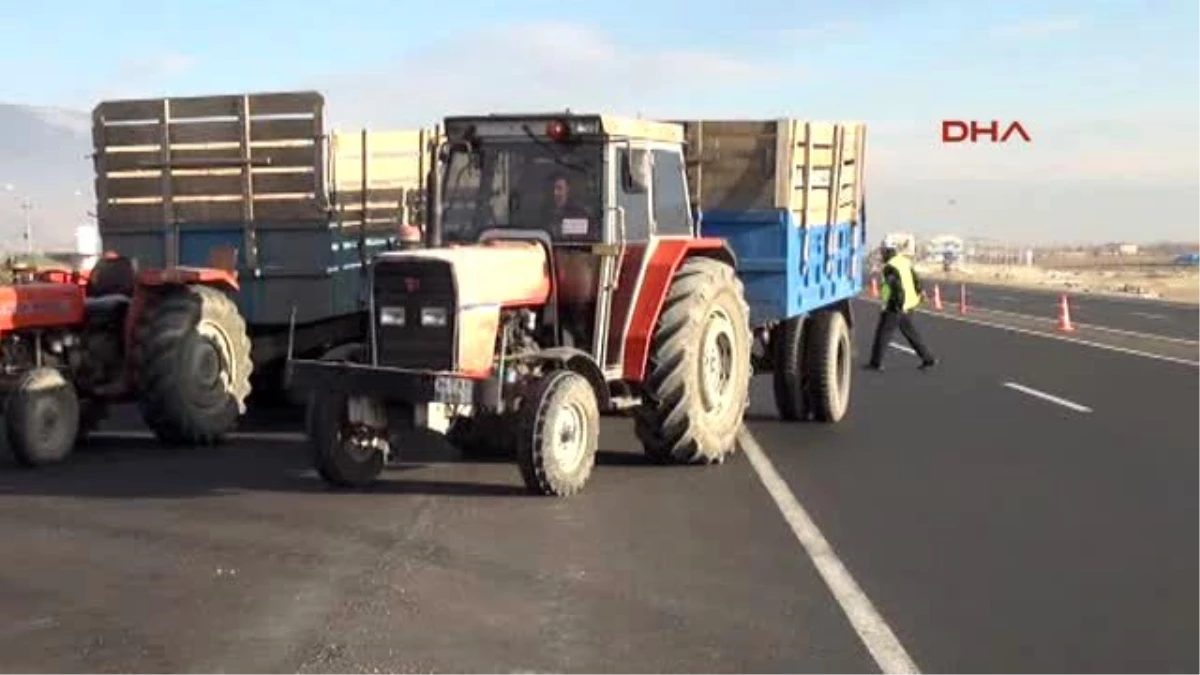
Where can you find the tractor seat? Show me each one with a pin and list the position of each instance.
(112, 275)
(105, 308)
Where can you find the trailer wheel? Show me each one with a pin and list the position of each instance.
(828, 365)
(193, 360)
(560, 433)
(792, 393)
(698, 381)
(42, 418)
(343, 454)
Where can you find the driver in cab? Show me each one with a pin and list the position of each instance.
(566, 212)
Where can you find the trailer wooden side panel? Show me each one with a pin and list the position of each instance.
(812, 169)
(204, 159)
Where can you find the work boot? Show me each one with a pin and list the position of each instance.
(874, 366)
(926, 365)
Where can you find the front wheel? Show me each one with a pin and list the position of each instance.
(560, 435)
(42, 418)
(345, 453)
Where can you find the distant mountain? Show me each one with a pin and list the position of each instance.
(44, 156)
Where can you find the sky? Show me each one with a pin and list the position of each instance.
(1108, 90)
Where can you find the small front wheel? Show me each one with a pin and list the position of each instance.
(42, 418)
(560, 434)
(344, 454)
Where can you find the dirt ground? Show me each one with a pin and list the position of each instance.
(1165, 282)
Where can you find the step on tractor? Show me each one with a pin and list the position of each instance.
(568, 273)
(171, 340)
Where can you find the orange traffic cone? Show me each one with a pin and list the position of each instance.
(937, 297)
(874, 287)
(1064, 316)
(962, 299)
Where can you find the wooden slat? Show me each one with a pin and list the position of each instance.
(211, 184)
(117, 215)
(190, 107)
(221, 131)
(299, 156)
(349, 198)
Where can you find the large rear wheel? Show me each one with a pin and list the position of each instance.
(193, 361)
(698, 376)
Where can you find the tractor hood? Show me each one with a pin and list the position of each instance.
(469, 285)
(498, 273)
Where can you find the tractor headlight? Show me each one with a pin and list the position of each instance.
(433, 316)
(391, 316)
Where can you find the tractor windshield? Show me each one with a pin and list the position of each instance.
(523, 184)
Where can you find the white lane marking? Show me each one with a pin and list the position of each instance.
(874, 632)
(1148, 315)
(1089, 326)
(896, 345)
(252, 436)
(1006, 298)
(1048, 397)
(1049, 336)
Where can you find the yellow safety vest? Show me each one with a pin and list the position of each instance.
(903, 267)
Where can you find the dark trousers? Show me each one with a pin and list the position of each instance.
(886, 328)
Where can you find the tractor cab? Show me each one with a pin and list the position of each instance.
(596, 188)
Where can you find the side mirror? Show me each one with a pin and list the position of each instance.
(636, 171)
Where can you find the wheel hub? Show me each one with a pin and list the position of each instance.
(568, 437)
(212, 363)
(716, 361)
(361, 443)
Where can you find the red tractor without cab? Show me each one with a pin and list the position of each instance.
(171, 339)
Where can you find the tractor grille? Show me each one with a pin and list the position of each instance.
(415, 285)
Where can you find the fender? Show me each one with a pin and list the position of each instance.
(667, 256)
(186, 276)
(580, 362)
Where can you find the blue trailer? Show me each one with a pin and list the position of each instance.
(251, 196)
(787, 196)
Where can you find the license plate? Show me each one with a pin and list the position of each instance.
(452, 389)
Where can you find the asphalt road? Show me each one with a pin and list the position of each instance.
(992, 528)
(1168, 319)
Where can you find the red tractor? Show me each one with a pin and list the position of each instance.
(172, 340)
(562, 280)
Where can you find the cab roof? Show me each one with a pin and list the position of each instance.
(593, 125)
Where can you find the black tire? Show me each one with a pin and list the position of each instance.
(563, 403)
(828, 365)
(41, 418)
(792, 394)
(353, 352)
(673, 422)
(336, 460)
(193, 365)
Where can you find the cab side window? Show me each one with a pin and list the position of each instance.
(672, 213)
(636, 204)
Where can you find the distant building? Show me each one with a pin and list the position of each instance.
(1127, 249)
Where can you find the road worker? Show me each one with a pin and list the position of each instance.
(900, 294)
